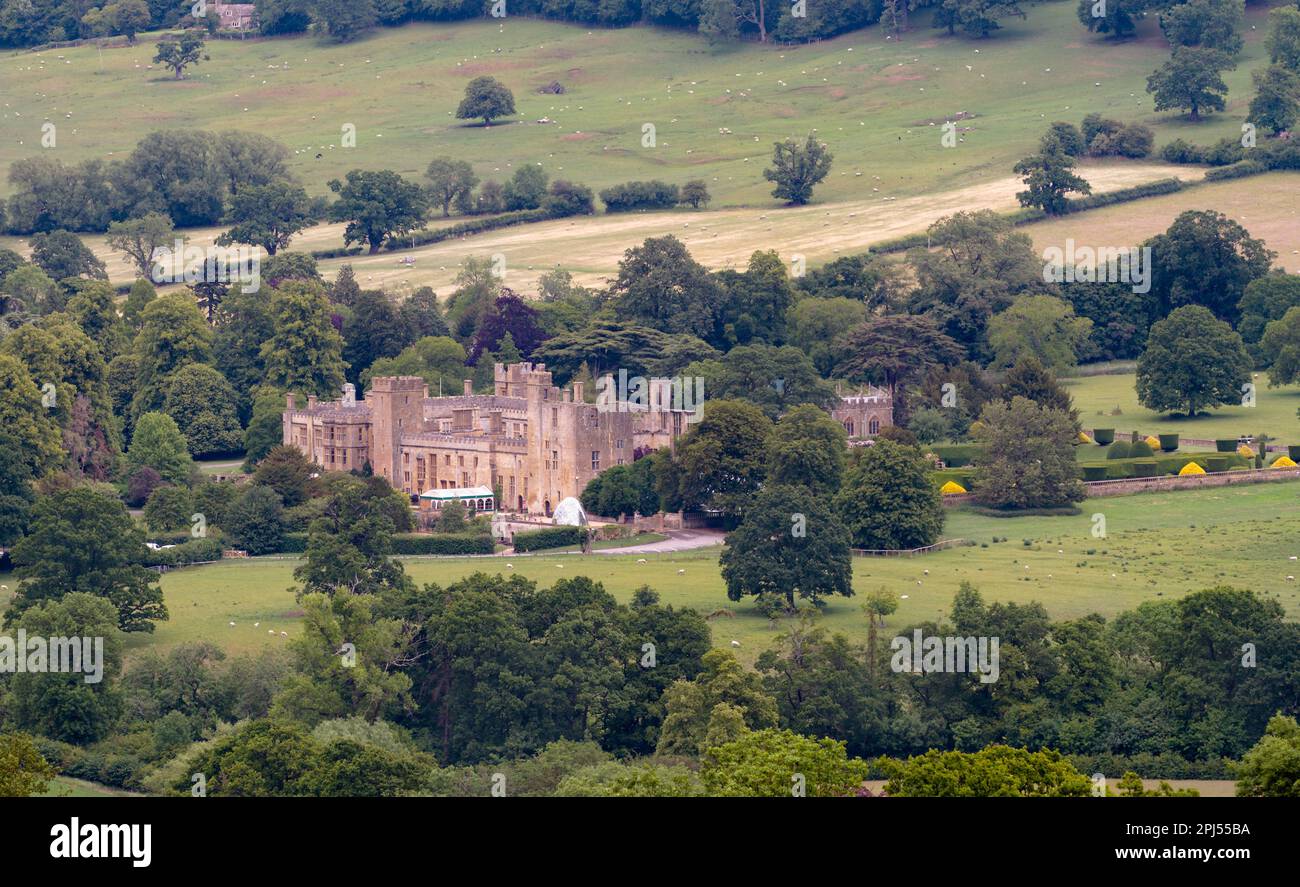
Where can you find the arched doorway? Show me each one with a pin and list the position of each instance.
(521, 504)
(547, 506)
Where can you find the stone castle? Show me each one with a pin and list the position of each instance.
(531, 442)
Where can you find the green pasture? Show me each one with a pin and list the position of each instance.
(1157, 546)
(716, 110)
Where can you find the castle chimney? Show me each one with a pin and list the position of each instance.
(311, 401)
(469, 387)
(289, 402)
(577, 392)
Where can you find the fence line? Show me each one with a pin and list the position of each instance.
(907, 552)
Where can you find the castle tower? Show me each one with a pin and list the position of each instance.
(397, 406)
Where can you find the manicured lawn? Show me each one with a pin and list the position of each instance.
(1097, 398)
(1158, 546)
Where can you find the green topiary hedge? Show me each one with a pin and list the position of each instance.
(1226, 446)
(1144, 468)
(1095, 472)
(442, 543)
(195, 551)
(1120, 449)
(1140, 450)
(1168, 442)
(554, 537)
(1217, 463)
(1103, 436)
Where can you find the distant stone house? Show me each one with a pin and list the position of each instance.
(236, 16)
(865, 413)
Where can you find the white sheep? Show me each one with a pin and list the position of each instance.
(640, 560)
(681, 572)
(735, 643)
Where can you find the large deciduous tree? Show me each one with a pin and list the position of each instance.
(789, 544)
(449, 181)
(1043, 327)
(377, 206)
(81, 540)
(807, 447)
(888, 500)
(661, 285)
(305, 353)
(1028, 458)
(1208, 259)
(797, 169)
(1192, 361)
(722, 461)
(267, 216)
(1191, 79)
(1049, 179)
(486, 98)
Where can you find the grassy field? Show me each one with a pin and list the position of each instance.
(67, 787)
(1097, 397)
(1158, 545)
(1267, 206)
(879, 104)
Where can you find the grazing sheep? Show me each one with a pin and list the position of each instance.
(640, 560)
(681, 572)
(232, 625)
(284, 634)
(735, 643)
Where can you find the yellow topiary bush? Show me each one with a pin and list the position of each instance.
(1245, 452)
(951, 488)
(1284, 462)
(1084, 438)
(1191, 468)
(1153, 442)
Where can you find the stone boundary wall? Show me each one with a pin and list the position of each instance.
(1127, 486)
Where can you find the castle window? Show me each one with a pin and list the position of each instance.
(595, 460)
(555, 415)
(848, 426)
(874, 425)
